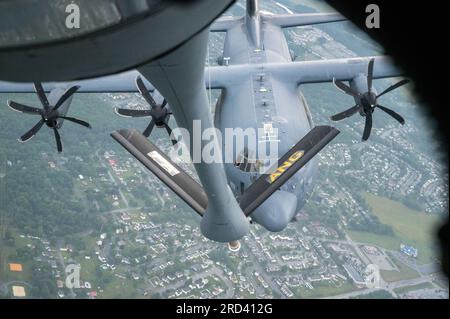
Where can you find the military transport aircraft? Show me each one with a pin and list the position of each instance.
(147, 45)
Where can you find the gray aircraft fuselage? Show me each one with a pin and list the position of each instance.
(263, 99)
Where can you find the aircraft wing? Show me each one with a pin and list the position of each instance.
(302, 72)
(341, 69)
(217, 77)
(123, 82)
(297, 20)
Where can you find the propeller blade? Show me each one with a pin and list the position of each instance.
(393, 87)
(144, 92)
(25, 137)
(132, 113)
(392, 113)
(169, 131)
(346, 113)
(345, 88)
(367, 126)
(370, 75)
(58, 139)
(149, 129)
(41, 94)
(75, 120)
(23, 108)
(65, 96)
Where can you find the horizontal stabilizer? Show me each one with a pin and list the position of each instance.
(224, 24)
(164, 168)
(302, 19)
(288, 165)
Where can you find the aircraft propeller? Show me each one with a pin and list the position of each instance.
(160, 113)
(49, 113)
(367, 102)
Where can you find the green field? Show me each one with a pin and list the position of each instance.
(425, 285)
(410, 227)
(324, 290)
(120, 288)
(8, 254)
(403, 273)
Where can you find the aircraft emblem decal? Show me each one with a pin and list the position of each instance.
(285, 166)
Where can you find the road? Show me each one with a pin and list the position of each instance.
(387, 286)
(113, 180)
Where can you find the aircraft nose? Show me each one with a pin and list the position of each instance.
(276, 212)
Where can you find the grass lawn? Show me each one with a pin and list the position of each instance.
(425, 285)
(388, 242)
(441, 284)
(403, 273)
(323, 290)
(120, 288)
(410, 227)
(116, 288)
(88, 267)
(9, 256)
(7, 275)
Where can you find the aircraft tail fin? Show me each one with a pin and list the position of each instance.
(297, 157)
(281, 20)
(301, 19)
(164, 168)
